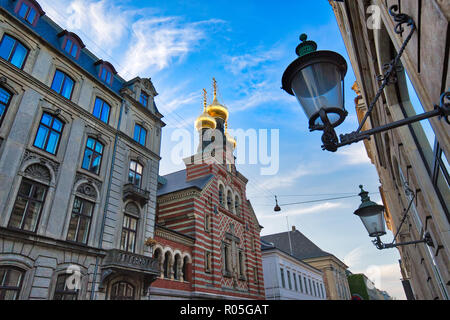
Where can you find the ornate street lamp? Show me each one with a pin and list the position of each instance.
(316, 78)
(372, 216)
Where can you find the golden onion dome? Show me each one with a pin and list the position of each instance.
(205, 121)
(215, 109)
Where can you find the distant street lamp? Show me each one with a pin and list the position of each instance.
(316, 78)
(372, 216)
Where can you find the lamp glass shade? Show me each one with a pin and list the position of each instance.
(373, 219)
(317, 86)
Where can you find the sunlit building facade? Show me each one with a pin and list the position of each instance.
(412, 160)
(79, 161)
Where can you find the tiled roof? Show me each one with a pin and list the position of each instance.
(302, 247)
(176, 181)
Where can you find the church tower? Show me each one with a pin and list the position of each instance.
(212, 126)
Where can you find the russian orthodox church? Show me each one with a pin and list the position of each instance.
(207, 234)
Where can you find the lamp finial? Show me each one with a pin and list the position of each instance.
(306, 46)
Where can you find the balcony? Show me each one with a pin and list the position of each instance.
(126, 263)
(131, 191)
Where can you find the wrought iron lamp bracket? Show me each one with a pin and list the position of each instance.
(381, 246)
(329, 138)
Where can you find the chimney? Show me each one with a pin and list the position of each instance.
(293, 228)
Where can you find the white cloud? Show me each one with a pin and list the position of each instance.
(354, 154)
(286, 180)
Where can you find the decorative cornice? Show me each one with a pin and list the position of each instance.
(173, 236)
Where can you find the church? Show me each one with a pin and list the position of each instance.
(207, 234)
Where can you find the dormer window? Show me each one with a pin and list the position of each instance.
(29, 10)
(106, 71)
(144, 99)
(71, 44)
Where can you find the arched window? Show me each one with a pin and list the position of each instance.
(230, 201)
(29, 10)
(221, 195)
(63, 84)
(135, 173)
(129, 228)
(106, 71)
(176, 267)
(92, 155)
(13, 51)
(49, 133)
(237, 206)
(10, 283)
(122, 291)
(71, 44)
(185, 269)
(5, 99)
(167, 258)
(102, 110)
(30, 199)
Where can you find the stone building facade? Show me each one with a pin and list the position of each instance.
(412, 161)
(300, 247)
(207, 232)
(79, 161)
(289, 278)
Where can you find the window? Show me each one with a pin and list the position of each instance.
(306, 285)
(321, 289)
(221, 195)
(310, 287)
(62, 292)
(13, 51)
(140, 134)
(71, 47)
(49, 133)
(122, 291)
(101, 110)
(144, 99)
(135, 173)
(5, 99)
(208, 261)
(106, 74)
(92, 156)
(63, 84)
(283, 284)
(10, 283)
(289, 280)
(241, 264)
(207, 222)
(27, 12)
(129, 230)
(80, 220)
(315, 289)
(294, 276)
(166, 268)
(226, 260)
(300, 283)
(230, 201)
(28, 206)
(237, 206)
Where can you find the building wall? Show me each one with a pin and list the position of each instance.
(407, 157)
(274, 261)
(335, 279)
(44, 254)
(185, 212)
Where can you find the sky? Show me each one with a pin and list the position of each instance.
(246, 46)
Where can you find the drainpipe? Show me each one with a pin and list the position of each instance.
(105, 210)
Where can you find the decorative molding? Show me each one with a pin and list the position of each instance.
(88, 190)
(39, 172)
(29, 155)
(89, 180)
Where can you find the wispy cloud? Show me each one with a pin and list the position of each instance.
(308, 210)
(154, 42)
(285, 180)
(354, 154)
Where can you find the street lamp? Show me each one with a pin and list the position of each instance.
(372, 216)
(316, 78)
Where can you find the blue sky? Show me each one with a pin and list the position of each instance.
(246, 46)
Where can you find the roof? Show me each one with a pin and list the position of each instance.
(266, 246)
(302, 247)
(176, 181)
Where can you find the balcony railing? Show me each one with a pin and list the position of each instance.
(132, 191)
